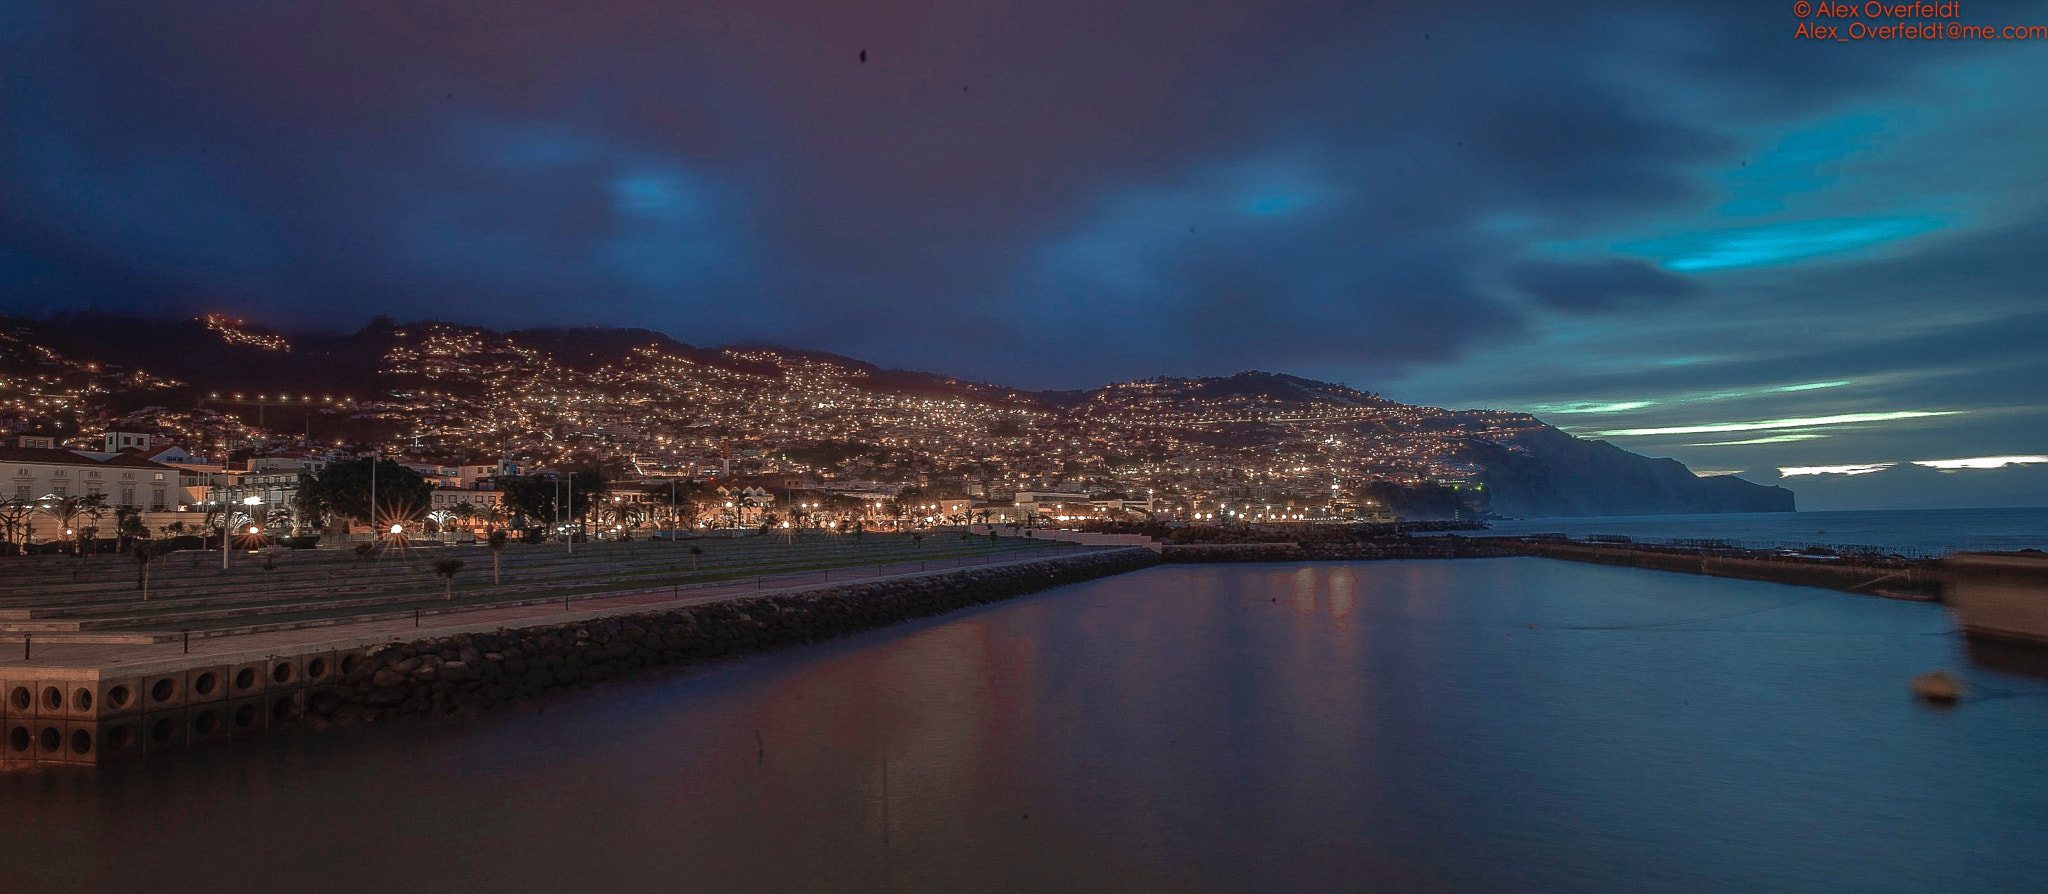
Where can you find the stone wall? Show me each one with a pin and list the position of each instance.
(476, 671)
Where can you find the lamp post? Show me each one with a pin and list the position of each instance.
(227, 524)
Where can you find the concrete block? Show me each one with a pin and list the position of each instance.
(81, 742)
(53, 699)
(317, 668)
(8, 693)
(18, 740)
(248, 715)
(248, 678)
(206, 684)
(162, 692)
(120, 739)
(116, 697)
(49, 738)
(347, 662)
(287, 707)
(163, 731)
(207, 723)
(285, 672)
(93, 699)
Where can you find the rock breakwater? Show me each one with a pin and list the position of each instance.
(1450, 547)
(471, 672)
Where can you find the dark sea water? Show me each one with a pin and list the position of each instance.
(1920, 532)
(1477, 725)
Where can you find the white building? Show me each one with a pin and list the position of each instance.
(126, 480)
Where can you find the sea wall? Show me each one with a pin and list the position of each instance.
(1896, 578)
(1358, 551)
(477, 671)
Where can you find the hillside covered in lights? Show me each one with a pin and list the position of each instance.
(645, 404)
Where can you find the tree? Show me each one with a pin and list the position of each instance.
(128, 525)
(695, 553)
(446, 569)
(68, 513)
(269, 563)
(14, 523)
(497, 541)
(343, 488)
(538, 499)
(146, 553)
(309, 502)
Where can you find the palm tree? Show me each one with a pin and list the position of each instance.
(446, 569)
(463, 513)
(496, 541)
(65, 512)
(695, 552)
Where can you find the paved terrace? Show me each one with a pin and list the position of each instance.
(62, 613)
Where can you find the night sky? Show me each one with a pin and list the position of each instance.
(1672, 226)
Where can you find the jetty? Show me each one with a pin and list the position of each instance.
(90, 672)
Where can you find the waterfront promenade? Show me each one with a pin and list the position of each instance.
(429, 617)
(123, 688)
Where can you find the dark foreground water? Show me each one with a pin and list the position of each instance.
(1377, 726)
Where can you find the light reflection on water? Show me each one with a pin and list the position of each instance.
(1389, 726)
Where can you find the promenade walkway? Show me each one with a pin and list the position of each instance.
(601, 581)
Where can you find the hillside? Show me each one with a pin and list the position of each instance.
(449, 389)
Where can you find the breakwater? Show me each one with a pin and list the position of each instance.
(1374, 549)
(111, 711)
(1911, 579)
(477, 671)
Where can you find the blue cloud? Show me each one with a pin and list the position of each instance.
(1780, 243)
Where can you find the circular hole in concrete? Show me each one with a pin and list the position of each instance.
(121, 736)
(18, 739)
(281, 709)
(282, 673)
(161, 731)
(53, 698)
(205, 722)
(245, 716)
(21, 699)
(246, 678)
(117, 697)
(81, 742)
(316, 668)
(53, 739)
(163, 690)
(349, 663)
(81, 700)
(206, 683)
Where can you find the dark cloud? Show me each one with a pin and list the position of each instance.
(1598, 286)
(1126, 189)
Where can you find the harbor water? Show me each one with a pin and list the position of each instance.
(1474, 725)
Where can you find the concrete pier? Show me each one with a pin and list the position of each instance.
(91, 703)
(1999, 596)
